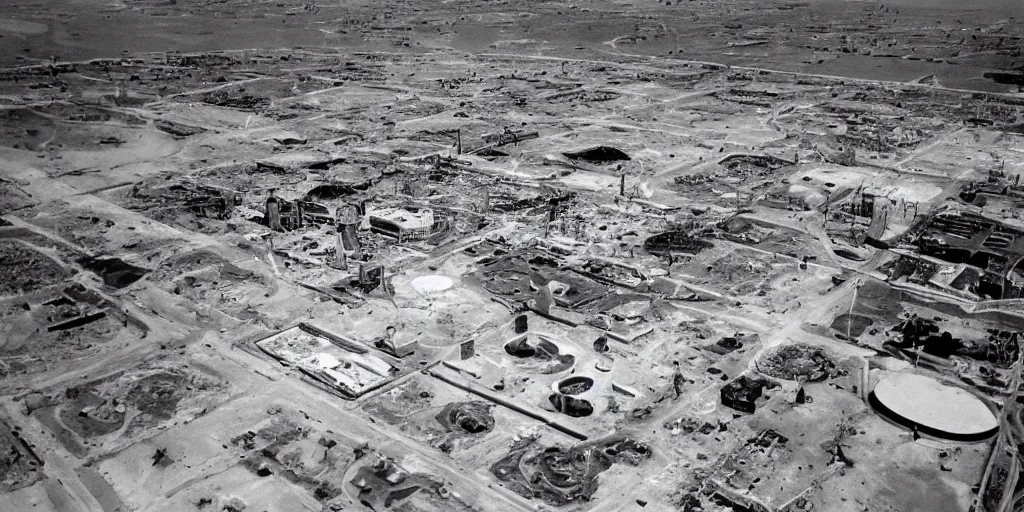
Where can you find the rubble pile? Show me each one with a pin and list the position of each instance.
(560, 476)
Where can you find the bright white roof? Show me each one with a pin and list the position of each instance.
(929, 403)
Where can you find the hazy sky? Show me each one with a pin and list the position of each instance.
(1012, 7)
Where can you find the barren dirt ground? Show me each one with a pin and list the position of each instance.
(483, 256)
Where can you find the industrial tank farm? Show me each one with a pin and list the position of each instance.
(473, 256)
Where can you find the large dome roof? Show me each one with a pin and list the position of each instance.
(934, 408)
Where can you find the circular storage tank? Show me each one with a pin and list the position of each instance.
(575, 385)
(429, 285)
(937, 410)
(574, 396)
(579, 386)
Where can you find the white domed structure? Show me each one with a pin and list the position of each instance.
(933, 408)
(429, 285)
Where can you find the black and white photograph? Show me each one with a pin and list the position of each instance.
(511, 256)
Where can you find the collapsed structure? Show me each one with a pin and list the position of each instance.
(313, 279)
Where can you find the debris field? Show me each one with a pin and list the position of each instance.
(697, 256)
